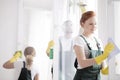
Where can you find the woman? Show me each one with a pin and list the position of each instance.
(66, 56)
(88, 50)
(29, 53)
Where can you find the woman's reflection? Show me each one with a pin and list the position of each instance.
(66, 55)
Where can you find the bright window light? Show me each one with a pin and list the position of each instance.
(40, 24)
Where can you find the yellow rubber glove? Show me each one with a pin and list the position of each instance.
(18, 54)
(105, 71)
(82, 7)
(50, 45)
(108, 49)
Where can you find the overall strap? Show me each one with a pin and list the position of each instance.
(97, 44)
(23, 64)
(86, 43)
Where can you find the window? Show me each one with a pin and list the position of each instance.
(117, 32)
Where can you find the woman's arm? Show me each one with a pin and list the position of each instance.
(97, 60)
(8, 65)
(81, 58)
(36, 77)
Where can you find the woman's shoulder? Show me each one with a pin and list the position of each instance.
(35, 68)
(77, 37)
(78, 41)
(18, 64)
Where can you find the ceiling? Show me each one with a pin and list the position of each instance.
(42, 4)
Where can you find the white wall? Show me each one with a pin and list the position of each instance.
(12, 32)
(8, 35)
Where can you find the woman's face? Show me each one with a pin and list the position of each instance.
(89, 25)
(30, 58)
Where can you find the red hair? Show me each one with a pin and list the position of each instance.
(86, 16)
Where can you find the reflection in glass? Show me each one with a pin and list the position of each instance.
(66, 55)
